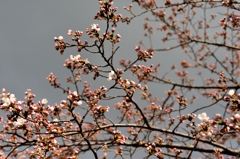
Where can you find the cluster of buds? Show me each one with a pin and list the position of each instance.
(82, 65)
(171, 92)
(129, 86)
(143, 72)
(189, 117)
(161, 14)
(234, 123)
(126, 84)
(146, 4)
(60, 44)
(228, 3)
(29, 96)
(76, 37)
(94, 31)
(203, 129)
(68, 153)
(7, 100)
(154, 107)
(76, 62)
(93, 97)
(53, 110)
(217, 153)
(54, 127)
(177, 151)
(154, 150)
(223, 23)
(118, 137)
(106, 12)
(48, 142)
(143, 55)
(109, 36)
(53, 80)
(171, 121)
(118, 151)
(128, 8)
(123, 104)
(73, 97)
(98, 111)
(132, 131)
(182, 101)
(64, 104)
(167, 2)
(234, 20)
(234, 99)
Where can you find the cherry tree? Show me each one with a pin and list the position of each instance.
(177, 124)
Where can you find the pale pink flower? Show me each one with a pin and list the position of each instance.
(12, 98)
(203, 117)
(44, 101)
(55, 120)
(19, 122)
(79, 103)
(111, 76)
(95, 27)
(6, 101)
(70, 32)
(75, 58)
(231, 92)
(60, 38)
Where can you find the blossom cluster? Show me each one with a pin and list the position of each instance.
(110, 36)
(83, 123)
(94, 31)
(153, 149)
(93, 98)
(76, 37)
(7, 99)
(118, 137)
(60, 44)
(98, 111)
(143, 55)
(143, 72)
(106, 12)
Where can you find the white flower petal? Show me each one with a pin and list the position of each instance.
(79, 102)
(231, 92)
(44, 101)
(203, 117)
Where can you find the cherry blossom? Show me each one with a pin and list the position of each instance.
(203, 117)
(111, 76)
(231, 92)
(19, 122)
(95, 27)
(159, 125)
(44, 101)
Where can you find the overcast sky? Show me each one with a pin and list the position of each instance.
(27, 29)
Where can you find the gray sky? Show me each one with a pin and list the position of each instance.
(27, 29)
